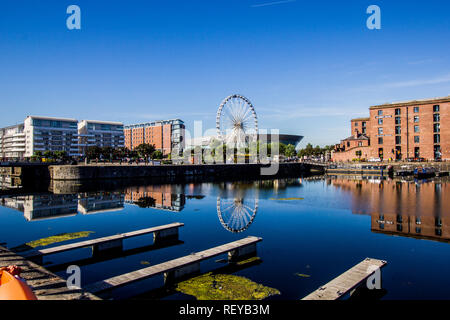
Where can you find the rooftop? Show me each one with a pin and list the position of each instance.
(104, 122)
(53, 118)
(360, 137)
(412, 102)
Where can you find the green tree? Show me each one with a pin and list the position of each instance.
(49, 154)
(145, 150)
(157, 155)
(93, 152)
(290, 151)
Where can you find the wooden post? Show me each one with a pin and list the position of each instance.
(243, 252)
(171, 234)
(107, 246)
(181, 272)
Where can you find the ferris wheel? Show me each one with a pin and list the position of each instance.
(236, 121)
(236, 215)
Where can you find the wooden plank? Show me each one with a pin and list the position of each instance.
(88, 243)
(45, 284)
(164, 267)
(347, 281)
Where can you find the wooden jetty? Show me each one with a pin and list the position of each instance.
(169, 231)
(45, 284)
(180, 267)
(347, 281)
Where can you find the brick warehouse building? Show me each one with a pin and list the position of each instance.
(165, 135)
(398, 131)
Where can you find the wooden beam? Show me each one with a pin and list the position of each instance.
(169, 266)
(100, 241)
(347, 281)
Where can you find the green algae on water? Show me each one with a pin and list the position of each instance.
(51, 240)
(224, 287)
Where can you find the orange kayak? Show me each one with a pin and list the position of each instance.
(12, 288)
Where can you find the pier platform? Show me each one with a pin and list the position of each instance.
(45, 284)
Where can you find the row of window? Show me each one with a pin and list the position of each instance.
(398, 139)
(398, 111)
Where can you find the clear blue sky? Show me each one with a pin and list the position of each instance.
(307, 66)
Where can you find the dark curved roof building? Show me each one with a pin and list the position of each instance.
(282, 138)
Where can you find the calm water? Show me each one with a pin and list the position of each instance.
(319, 228)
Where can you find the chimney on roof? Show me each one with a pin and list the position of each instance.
(356, 134)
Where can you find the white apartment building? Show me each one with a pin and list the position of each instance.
(100, 134)
(40, 134)
(50, 134)
(12, 142)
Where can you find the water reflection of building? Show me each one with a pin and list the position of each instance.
(44, 206)
(47, 206)
(402, 208)
(164, 197)
(89, 203)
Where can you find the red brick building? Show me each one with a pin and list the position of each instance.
(167, 136)
(403, 130)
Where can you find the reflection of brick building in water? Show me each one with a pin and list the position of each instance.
(402, 208)
(166, 197)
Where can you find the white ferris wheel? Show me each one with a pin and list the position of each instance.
(236, 122)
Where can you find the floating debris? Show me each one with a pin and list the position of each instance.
(224, 287)
(145, 263)
(287, 199)
(198, 197)
(51, 240)
(221, 261)
(303, 275)
(250, 260)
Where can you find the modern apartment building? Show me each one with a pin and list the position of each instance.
(165, 135)
(40, 134)
(399, 131)
(12, 142)
(100, 133)
(50, 134)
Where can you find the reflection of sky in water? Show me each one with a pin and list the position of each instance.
(339, 223)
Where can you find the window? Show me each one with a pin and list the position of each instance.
(416, 129)
(380, 112)
(398, 140)
(416, 152)
(398, 120)
(437, 138)
(360, 144)
(416, 139)
(380, 122)
(398, 112)
(416, 109)
(380, 140)
(364, 130)
(364, 124)
(436, 117)
(356, 124)
(436, 108)
(398, 130)
(437, 128)
(380, 130)
(416, 119)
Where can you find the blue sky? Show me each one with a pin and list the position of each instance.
(307, 66)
